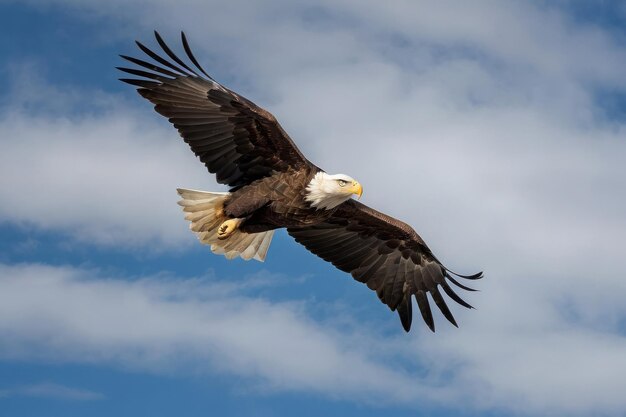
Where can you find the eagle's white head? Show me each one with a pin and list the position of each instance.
(328, 191)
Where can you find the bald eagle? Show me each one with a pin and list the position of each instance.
(272, 185)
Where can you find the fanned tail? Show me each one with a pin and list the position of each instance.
(205, 212)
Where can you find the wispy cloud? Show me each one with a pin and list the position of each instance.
(67, 314)
(51, 391)
(103, 175)
(529, 363)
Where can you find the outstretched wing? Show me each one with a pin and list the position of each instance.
(237, 140)
(388, 256)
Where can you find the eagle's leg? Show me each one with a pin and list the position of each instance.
(228, 227)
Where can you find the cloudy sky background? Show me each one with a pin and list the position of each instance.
(497, 129)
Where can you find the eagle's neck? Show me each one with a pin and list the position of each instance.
(322, 193)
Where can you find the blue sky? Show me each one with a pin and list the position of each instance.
(497, 129)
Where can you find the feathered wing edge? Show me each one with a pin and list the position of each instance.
(405, 310)
(389, 257)
(235, 139)
(159, 73)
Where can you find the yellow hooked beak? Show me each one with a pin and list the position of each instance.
(357, 189)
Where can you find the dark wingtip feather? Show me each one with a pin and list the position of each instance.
(158, 58)
(191, 55)
(139, 83)
(171, 54)
(454, 295)
(477, 275)
(427, 314)
(441, 303)
(458, 284)
(141, 73)
(405, 311)
(149, 66)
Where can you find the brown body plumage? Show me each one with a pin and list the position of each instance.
(274, 186)
(276, 201)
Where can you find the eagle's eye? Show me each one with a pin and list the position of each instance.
(342, 183)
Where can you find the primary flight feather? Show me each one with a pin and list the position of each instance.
(273, 186)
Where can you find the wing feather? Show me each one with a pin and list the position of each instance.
(405, 311)
(424, 306)
(237, 140)
(388, 256)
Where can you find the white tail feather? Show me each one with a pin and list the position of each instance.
(205, 212)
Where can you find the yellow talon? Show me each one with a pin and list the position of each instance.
(227, 228)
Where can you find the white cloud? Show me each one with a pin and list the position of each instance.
(481, 120)
(156, 324)
(105, 175)
(538, 360)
